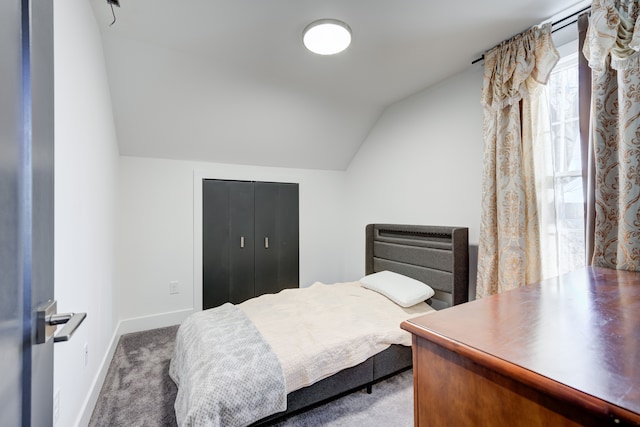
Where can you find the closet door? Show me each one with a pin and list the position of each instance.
(215, 243)
(277, 234)
(227, 242)
(241, 238)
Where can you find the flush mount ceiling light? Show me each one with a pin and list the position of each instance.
(327, 36)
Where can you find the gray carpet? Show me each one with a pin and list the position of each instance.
(137, 391)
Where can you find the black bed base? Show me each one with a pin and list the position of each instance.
(391, 361)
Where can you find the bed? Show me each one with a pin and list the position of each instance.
(270, 388)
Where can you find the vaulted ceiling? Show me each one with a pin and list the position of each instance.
(229, 81)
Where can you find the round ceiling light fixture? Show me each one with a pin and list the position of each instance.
(326, 36)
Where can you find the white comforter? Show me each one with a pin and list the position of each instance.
(320, 330)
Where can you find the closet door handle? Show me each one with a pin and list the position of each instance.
(242, 241)
(266, 243)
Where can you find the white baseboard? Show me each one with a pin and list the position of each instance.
(145, 323)
(125, 326)
(94, 391)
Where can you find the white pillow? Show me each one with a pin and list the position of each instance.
(400, 289)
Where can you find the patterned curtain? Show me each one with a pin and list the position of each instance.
(611, 47)
(509, 249)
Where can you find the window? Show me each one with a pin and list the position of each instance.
(560, 187)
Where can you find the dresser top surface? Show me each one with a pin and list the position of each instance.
(581, 330)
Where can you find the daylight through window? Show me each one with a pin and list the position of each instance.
(560, 188)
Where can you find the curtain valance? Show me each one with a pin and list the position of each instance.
(613, 31)
(515, 67)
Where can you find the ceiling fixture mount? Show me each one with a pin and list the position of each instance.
(327, 36)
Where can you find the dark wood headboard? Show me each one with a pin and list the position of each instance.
(435, 255)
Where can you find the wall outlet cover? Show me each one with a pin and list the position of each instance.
(174, 287)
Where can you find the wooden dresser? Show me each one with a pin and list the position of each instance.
(563, 352)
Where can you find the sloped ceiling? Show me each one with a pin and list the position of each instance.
(229, 81)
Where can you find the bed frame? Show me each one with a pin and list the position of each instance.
(438, 256)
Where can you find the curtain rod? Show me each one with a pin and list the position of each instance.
(560, 21)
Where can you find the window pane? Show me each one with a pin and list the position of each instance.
(566, 140)
(560, 191)
(570, 222)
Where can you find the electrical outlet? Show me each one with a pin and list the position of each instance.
(86, 354)
(174, 287)
(56, 406)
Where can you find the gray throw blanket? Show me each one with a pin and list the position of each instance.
(227, 374)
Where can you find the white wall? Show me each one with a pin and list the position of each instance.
(156, 229)
(86, 159)
(421, 164)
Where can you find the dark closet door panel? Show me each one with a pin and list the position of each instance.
(241, 237)
(266, 256)
(215, 243)
(276, 219)
(287, 226)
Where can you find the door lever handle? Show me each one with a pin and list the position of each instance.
(48, 320)
(71, 324)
